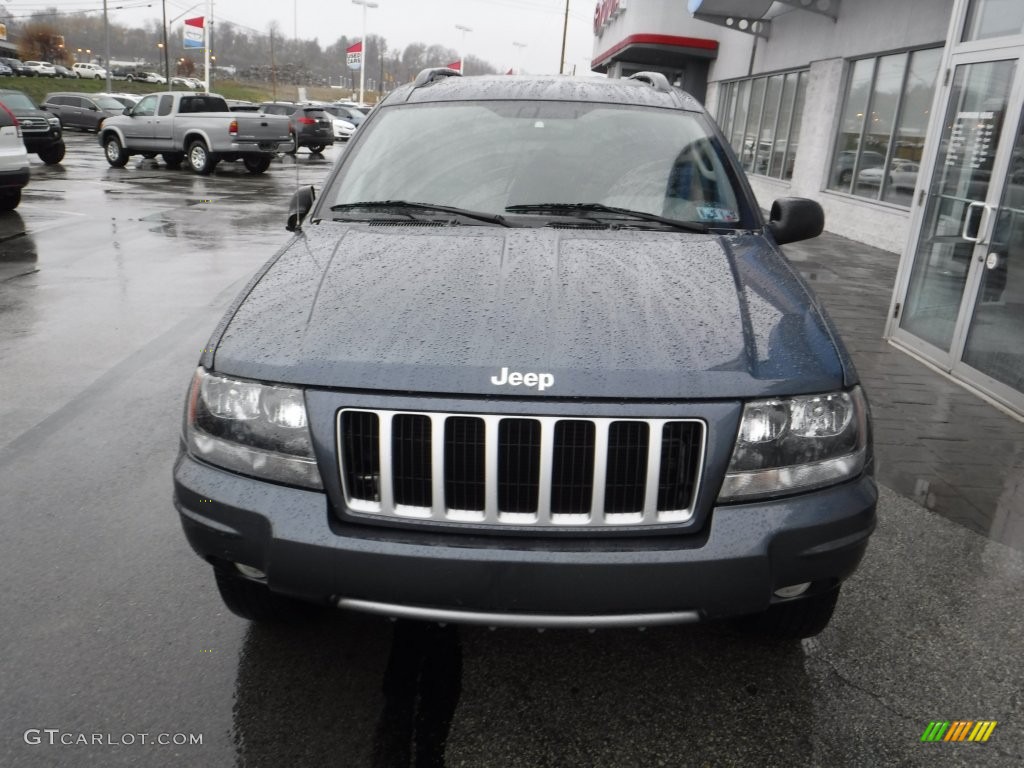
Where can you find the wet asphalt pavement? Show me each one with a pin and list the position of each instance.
(111, 628)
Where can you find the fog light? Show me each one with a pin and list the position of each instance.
(249, 572)
(793, 591)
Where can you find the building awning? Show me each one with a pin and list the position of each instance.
(754, 16)
(655, 50)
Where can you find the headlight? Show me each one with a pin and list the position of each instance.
(53, 120)
(795, 444)
(252, 428)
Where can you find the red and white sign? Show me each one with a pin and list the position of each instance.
(194, 32)
(354, 55)
(456, 65)
(605, 12)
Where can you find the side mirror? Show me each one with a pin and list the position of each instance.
(795, 218)
(300, 205)
(127, 111)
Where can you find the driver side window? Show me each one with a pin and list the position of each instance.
(146, 107)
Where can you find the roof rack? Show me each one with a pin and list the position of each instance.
(433, 74)
(654, 79)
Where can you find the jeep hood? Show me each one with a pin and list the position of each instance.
(608, 314)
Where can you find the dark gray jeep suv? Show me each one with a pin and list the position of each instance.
(532, 358)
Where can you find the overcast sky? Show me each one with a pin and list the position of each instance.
(496, 24)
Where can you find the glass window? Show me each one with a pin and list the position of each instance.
(739, 120)
(146, 107)
(166, 105)
(766, 136)
(994, 18)
(911, 127)
(749, 141)
(761, 118)
(883, 125)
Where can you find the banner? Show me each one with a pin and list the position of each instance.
(354, 56)
(194, 32)
(456, 65)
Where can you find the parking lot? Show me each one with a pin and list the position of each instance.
(110, 283)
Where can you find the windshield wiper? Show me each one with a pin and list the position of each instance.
(403, 206)
(570, 208)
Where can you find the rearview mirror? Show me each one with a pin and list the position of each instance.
(301, 203)
(795, 218)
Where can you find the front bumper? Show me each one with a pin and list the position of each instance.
(731, 567)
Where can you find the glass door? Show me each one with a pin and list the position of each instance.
(959, 208)
(971, 227)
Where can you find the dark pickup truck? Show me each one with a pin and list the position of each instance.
(549, 371)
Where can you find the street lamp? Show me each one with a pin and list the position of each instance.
(519, 56)
(362, 58)
(462, 51)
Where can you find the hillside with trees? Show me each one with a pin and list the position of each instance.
(243, 53)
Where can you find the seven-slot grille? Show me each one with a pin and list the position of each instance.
(520, 470)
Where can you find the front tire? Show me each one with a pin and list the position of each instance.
(255, 602)
(256, 164)
(116, 154)
(199, 158)
(10, 198)
(316, 149)
(52, 155)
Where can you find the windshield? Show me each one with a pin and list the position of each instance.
(17, 101)
(107, 102)
(488, 156)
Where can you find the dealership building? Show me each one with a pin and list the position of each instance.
(903, 119)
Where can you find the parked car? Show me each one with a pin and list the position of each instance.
(196, 128)
(844, 163)
(5, 70)
(184, 82)
(18, 67)
(312, 127)
(64, 72)
(577, 385)
(344, 124)
(85, 111)
(128, 100)
(14, 173)
(40, 130)
(345, 112)
(241, 105)
(902, 175)
(42, 68)
(147, 77)
(89, 71)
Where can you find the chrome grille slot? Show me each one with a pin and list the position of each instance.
(539, 471)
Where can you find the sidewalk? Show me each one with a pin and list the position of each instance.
(935, 441)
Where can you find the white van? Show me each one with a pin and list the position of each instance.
(89, 71)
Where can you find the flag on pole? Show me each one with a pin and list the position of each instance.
(510, 72)
(354, 55)
(456, 65)
(194, 32)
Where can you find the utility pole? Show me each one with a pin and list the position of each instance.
(273, 67)
(167, 55)
(106, 37)
(565, 32)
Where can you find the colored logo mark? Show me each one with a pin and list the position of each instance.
(958, 730)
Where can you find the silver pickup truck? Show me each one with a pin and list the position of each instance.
(197, 128)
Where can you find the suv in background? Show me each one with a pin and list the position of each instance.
(14, 173)
(89, 71)
(42, 68)
(575, 383)
(18, 67)
(40, 130)
(85, 111)
(312, 127)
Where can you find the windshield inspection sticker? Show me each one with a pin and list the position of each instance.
(713, 213)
